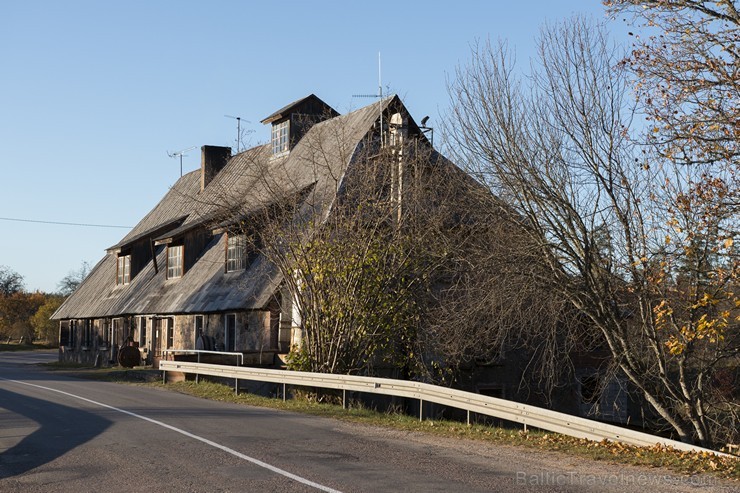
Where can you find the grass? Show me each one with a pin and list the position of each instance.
(689, 463)
(12, 346)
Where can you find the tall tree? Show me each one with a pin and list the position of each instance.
(44, 328)
(383, 258)
(73, 279)
(16, 311)
(686, 63)
(617, 234)
(10, 281)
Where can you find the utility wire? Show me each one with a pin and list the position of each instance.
(63, 223)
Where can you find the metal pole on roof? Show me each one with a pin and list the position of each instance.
(238, 132)
(380, 99)
(380, 93)
(180, 154)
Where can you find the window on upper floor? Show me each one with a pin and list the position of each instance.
(174, 261)
(123, 271)
(280, 137)
(236, 252)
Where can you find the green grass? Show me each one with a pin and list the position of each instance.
(688, 463)
(26, 347)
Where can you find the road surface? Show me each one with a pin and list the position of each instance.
(60, 434)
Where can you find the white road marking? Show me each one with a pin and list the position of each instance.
(190, 435)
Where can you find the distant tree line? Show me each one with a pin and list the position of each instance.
(24, 315)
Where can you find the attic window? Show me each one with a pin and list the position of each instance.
(123, 270)
(236, 250)
(280, 133)
(174, 261)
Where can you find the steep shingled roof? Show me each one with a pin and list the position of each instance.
(250, 179)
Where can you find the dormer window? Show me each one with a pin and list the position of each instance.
(290, 123)
(236, 250)
(174, 261)
(123, 270)
(280, 137)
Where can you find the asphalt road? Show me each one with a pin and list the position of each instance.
(60, 434)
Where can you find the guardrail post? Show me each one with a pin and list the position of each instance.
(197, 375)
(468, 417)
(236, 386)
(283, 391)
(164, 377)
(421, 409)
(344, 398)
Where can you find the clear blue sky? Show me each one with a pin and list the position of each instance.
(93, 94)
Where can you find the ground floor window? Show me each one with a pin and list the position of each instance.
(170, 331)
(197, 328)
(230, 331)
(117, 332)
(142, 331)
(64, 334)
(87, 336)
(73, 333)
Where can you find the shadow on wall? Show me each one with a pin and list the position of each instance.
(58, 430)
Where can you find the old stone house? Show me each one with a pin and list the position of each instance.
(179, 280)
(183, 279)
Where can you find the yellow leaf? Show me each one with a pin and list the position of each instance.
(728, 242)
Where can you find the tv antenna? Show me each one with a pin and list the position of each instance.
(238, 131)
(379, 96)
(180, 154)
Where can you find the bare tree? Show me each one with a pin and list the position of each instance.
(555, 146)
(71, 281)
(383, 248)
(10, 281)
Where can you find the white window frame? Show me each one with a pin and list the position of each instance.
(123, 270)
(175, 260)
(169, 327)
(116, 332)
(280, 138)
(236, 252)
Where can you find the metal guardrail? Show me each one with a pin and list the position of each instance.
(524, 414)
(203, 351)
(240, 359)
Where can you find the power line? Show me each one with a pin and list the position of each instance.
(63, 223)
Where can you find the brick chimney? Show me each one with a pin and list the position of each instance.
(212, 160)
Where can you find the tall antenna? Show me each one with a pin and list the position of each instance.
(238, 132)
(379, 96)
(180, 154)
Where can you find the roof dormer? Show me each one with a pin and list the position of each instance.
(290, 124)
